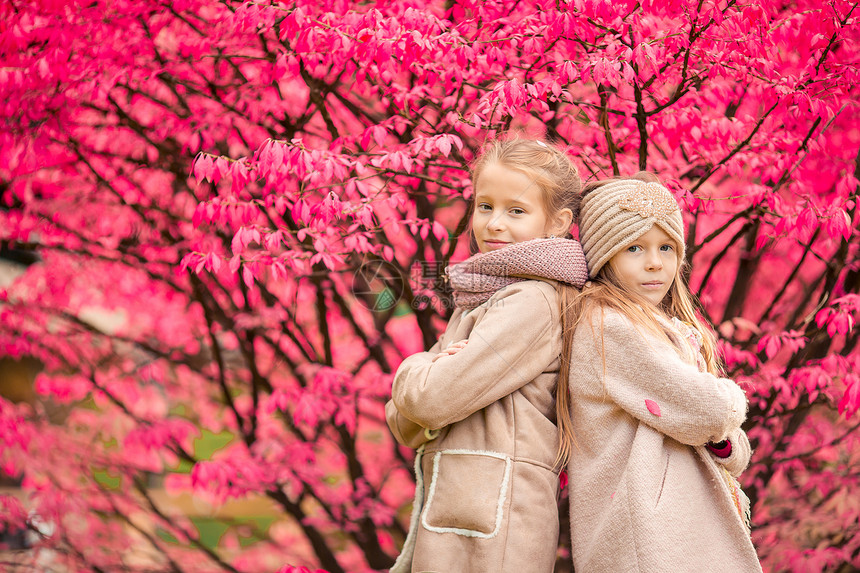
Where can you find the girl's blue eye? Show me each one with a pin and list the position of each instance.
(633, 248)
(667, 248)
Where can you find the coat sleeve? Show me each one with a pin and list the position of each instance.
(739, 458)
(405, 431)
(513, 342)
(648, 379)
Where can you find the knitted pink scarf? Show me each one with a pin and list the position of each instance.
(477, 278)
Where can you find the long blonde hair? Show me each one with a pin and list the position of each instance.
(607, 291)
(558, 178)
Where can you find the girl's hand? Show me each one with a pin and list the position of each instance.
(452, 349)
(736, 456)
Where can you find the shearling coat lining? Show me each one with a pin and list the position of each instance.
(486, 491)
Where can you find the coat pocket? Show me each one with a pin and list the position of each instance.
(467, 493)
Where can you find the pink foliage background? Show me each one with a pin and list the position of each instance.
(257, 196)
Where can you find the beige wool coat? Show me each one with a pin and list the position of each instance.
(486, 498)
(645, 494)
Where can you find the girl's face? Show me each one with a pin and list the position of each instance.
(647, 266)
(509, 208)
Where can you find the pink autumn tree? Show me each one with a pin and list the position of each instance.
(240, 211)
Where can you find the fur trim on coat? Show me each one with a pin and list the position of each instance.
(486, 490)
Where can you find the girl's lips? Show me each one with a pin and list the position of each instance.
(653, 284)
(495, 244)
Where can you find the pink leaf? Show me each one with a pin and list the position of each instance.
(443, 145)
(653, 407)
(247, 276)
(379, 133)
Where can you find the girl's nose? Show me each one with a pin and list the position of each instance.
(495, 223)
(654, 262)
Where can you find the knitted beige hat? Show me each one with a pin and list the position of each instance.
(619, 212)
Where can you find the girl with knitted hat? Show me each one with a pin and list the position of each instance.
(480, 404)
(658, 431)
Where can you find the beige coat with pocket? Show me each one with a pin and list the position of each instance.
(486, 499)
(645, 494)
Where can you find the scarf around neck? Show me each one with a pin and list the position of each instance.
(478, 278)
